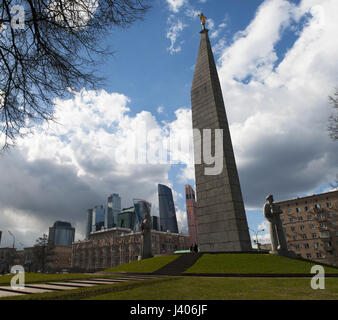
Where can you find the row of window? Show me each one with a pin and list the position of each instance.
(310, 217)
(323, 234)
(307, 208)
(322, 225)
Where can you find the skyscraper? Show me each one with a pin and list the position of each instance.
(98, 218)
(141, 207)
(168, 219)
(61, 234)
(89, 225)
(222, 224)
(191, 207)
(155, 222)
(113, 209)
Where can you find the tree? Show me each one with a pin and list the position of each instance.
(41, 251)
(333, 119)
(49, 48)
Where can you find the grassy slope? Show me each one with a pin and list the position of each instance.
(252, 263)
(227, 289)
(147, 265)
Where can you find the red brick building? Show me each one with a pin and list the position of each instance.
(191, 207)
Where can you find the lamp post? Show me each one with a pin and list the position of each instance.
(11, 234)
(256, 233)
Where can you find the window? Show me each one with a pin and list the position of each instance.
(327, 244)
(309, 216)
(306, 246)
(319, 255)
(314, 235)
(312, 226)
(300, 218)
(297, 246)
(304, 236)
(292, 219)
(323, 225)
(294, 237)
(297, 209)
(324, 234)
(293, 229)
(331, 214)
(308, 256)
(306, 208)
(317, 206)
(316, 245)
(289, 211)
(328, 204)
(301, 227)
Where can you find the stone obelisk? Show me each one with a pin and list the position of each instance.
(222, 223)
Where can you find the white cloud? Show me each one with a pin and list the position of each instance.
(176, 27)
(277, 106)
(175, 5)
(160, 109)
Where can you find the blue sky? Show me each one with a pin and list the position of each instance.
(277, 63)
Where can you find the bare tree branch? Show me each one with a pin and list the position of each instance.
(55, 53)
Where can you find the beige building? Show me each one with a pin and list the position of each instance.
(311, 226)
(112, 247)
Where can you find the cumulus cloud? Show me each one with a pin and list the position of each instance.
(64, 168)
(277, 106)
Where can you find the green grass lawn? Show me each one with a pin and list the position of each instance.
(144, 266)
(198, 288)
(202, 288)
(44, 277)
(252, 263)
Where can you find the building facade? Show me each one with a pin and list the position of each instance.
(168, 219)
(112, 247)
(191, 207)
(311, 226)
(61, 234)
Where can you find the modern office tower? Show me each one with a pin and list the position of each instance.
(155, 223)
(89, 225)
(310, 225)
(98, 218)
(141, 207)
(126, 218)
(191, 207)
(61, 234)
(0, 236)
(113, 209)
(168, 219)
(222, 223)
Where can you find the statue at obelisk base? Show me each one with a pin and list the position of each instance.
(278, 242)
(146, 225)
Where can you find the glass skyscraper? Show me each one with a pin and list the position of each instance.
(141, 207)
(98, 218)
(61, 234)
(168, 219)
(113, 209)
(89, 226)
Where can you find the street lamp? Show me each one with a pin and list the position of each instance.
(11, 234)
(256, 233)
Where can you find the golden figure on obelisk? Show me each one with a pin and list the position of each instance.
(203, 19)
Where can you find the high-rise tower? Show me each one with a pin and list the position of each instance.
(222, 224)
(191, 206)
(166, 204)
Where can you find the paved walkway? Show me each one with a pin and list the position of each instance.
(50, 286)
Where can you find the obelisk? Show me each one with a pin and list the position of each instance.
(222, 223)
